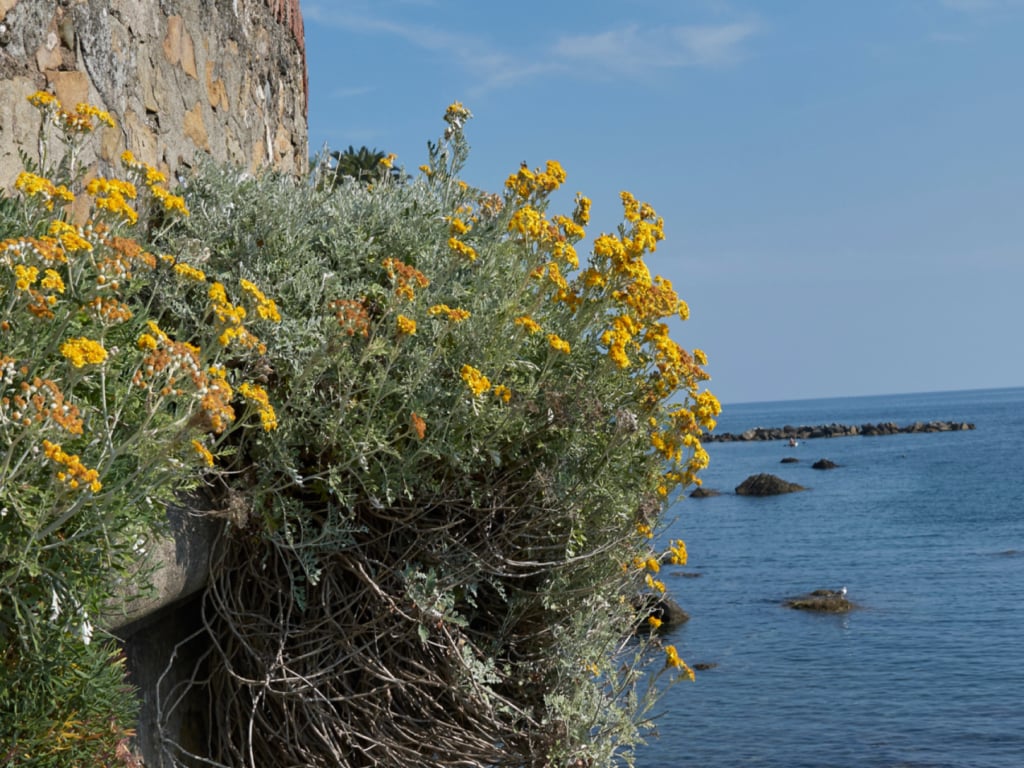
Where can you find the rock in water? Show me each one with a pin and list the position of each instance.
(824, 464)
(703, 493)
(766, 484)
(822, 600)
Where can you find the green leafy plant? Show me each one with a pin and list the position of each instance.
(107, 413)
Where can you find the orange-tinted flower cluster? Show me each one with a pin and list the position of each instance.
(405, 278)
(352, 316)
(170, 368)
(74, 474)
(26, 402)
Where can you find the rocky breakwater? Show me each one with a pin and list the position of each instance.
(836, 430)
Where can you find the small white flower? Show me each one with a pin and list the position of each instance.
(85, 631)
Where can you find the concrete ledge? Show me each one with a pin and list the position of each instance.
(179, 566)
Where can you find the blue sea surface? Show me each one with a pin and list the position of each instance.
(926, 531)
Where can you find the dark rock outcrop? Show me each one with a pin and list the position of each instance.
(704, 493)
(790, 460)
(766, 484)
(821, 600)
(660, 607)
(824, 464)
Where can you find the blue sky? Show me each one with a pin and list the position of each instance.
(842, 181)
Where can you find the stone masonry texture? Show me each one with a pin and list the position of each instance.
(182, 78)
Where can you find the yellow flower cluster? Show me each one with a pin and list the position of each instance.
(32, 185)
(528, 324)
(75, 475)
(266, 307)
(189, 272)
(230, 320)
(558, 344)
(462, 249)
(526, 183)
(203, 452)
(406, 326)
(678, 552)
(455, 315)
(256, 395)
(502, 392)
(672, 660)
(71, 238)
(83, 351)
(457, 114)
(112, 195)
(83, 120)
(475, 380)
(154, 181)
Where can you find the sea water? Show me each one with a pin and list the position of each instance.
(926, 531)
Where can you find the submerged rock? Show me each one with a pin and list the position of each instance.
(821, 600)
(660, 607)
(704, 493)
(824, 464)
(766, 484)
(790, 460)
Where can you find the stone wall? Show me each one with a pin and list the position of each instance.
(222, 77)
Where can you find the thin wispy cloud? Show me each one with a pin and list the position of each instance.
(632, 49)
(979, 6)
(626, 50)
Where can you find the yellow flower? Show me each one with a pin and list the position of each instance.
(581, 213)
(189, 272)
(462, 248)
(258, 396)
(475, 380)
(654, 622)
(70, 237)
(42, 99)
(25, 277)
(52, 281)
(83, 351)
(644, 530)
(417, 425)
(203, 452)
(678, 550)
(389, 160)
(456, 114)
(266, 307)
(455, 315)
(528, 323)
(672, 660)
(558, 344)
(406, 325)
(502, 392)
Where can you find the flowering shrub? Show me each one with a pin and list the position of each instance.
(445, 443)
(477, 429)
(108, 410)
